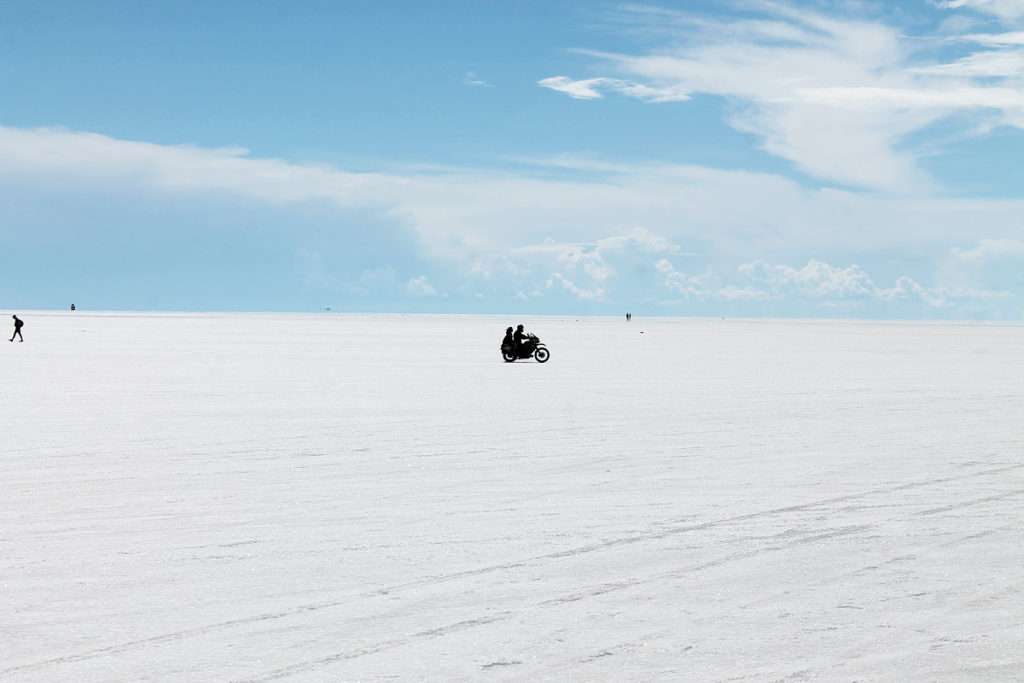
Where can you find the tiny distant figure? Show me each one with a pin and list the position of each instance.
(629, 316)
(72, 307)
(18, 324)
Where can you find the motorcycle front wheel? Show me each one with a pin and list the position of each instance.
(542, 355)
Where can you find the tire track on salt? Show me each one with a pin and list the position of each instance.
(556, 555)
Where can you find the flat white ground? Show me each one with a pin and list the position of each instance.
(325, 498)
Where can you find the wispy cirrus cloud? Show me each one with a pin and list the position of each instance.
(1007, 10)
(593, 89)
(837, 97)
(1013, 38)
(472, 80)
(993, 64)
(479, 208)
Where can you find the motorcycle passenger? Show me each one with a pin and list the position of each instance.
(508, 342)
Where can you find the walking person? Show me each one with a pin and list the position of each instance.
(18, 324)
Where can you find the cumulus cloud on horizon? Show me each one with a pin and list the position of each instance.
(601, 240)
(823, 284)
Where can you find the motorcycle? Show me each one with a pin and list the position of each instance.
(532, 347)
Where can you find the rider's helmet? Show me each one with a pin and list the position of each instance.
(519, 327)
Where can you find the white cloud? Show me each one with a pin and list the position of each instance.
(581, 293)
(989, 250)
(591, 89)
(640, 238)
(472, 80)
(705, 286)
(996, 39)
(824, 282)
(468, 212)
(585, 270)
(815, 280)
(995, 64)
(517, 230)
(580, 90)
(691, 286)
(837, 97)
(954, 98)
(907, 288)
(93, 159)
(734, 293)
(1007, 10)
(990, 265)
(817, 284)
(420, 286)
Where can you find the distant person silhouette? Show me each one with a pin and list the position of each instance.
(18, 323)
(72, 307)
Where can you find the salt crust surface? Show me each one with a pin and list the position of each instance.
(330, 497)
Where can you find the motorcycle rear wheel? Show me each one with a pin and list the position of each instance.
(542, 355)
(508, 356)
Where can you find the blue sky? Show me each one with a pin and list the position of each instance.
(840, 159)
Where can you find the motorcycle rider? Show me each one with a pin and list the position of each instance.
(518, 338)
